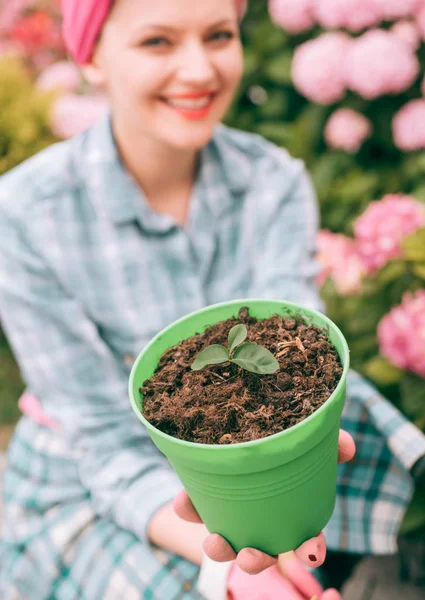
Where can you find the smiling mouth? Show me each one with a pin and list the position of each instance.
(190, 103)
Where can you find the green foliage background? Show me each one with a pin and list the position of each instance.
(345, 184)
(24, 125)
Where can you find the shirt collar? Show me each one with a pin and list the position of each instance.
(234, 163)
(222, 166)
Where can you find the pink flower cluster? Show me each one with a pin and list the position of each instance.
(62, 75)
(376, 63)
(395, 9)
(10, 12)
(339, 258)
(300, 15)
(318, 67)
(401, 333)
(409, 126)
(420, 21)
(378, 236)
(347, 129)
(379, 63)
(350, 14)
(295, 16)
(72, 114)
(408, 32)
(33, 27)
(380, 230)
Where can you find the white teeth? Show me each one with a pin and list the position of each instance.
(191, 104)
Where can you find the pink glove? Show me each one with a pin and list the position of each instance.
(271, 584)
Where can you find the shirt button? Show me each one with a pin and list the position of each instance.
(129, 360)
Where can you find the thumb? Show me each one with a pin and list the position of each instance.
(330, 595)
(184, 508)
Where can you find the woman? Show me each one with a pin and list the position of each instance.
(104, 240)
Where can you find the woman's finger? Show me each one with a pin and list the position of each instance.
(254, 561)
(346, 447)
(218, 549)
(184, 508)
(269, 585)
(303, 580)
(330, 595)
(313, 552)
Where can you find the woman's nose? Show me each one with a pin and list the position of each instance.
(196, 65)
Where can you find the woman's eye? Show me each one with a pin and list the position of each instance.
(222, 35)
(156, 42)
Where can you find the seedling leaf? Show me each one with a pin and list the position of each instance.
(256, 359)
(212, 355)
(237, 335)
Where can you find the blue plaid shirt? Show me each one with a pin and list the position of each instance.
(89, 273)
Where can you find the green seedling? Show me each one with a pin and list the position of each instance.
(251, 357)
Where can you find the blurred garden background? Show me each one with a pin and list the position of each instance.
(340, 84)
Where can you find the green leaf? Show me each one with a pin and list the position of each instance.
(414, 246)
(212, 355)
(280, 133)
(278, 69)
(276, 105)
(391, 272)
(256, 359)
(419, 270)
(419, 193)
(412, 395)
(414, 518)
(414, 166)
(237, 335)
(251, 62)
(382, 372)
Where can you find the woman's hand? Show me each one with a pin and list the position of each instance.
(312, 553)
(291, 581)
(301, 583)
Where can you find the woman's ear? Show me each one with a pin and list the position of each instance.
(93, 74)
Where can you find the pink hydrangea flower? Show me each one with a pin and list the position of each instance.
(63, 75)
(401, 333)
(339, 258)
(408, 32)
(73, 114)
(10, 12)
(351, 14)
(385, 223)
(395, 9)
(409, 126)
(347, 129)
(380, 63)
(420, 21)
(318, 67)
(295, 16)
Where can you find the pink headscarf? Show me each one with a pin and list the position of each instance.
(83, 21)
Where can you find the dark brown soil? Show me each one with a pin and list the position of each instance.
(224, 404)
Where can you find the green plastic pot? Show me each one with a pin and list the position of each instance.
(271, 494)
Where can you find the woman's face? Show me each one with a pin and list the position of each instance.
(170, 67)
